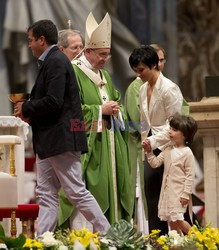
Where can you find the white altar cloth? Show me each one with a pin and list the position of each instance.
(11, 125)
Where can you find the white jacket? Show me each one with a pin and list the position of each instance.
(166, 100)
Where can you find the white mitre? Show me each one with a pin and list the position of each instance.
(98, 35)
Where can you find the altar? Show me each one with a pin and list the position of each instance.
(11, 125)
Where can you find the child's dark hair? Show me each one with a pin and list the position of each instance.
(186, 124)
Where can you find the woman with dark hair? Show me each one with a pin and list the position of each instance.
(132, 107)
(160, 99)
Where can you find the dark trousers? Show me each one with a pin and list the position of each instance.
(153, 181)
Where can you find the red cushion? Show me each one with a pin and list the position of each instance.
(29, 164)
(5, 213)
(24, 211)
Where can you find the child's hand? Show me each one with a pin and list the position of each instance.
(147, 146)
(184, 202)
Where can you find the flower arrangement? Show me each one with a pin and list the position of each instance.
(121, 235)
(83, 239)
(75, 239)
(198, 238)
(204, 237)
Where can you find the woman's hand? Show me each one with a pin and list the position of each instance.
(146, 144)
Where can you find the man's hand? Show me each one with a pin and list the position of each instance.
(110, 108)
(18, 112)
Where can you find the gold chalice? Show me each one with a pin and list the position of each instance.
(18, 97)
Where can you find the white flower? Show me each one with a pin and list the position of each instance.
(149, 247)
(48, 239)
(105, 241)
(3, 246)
(78, 246)
(62, 247)
(112, 248)
(92, 245)
(163, 236)
(46, 234)
(173, 233)
(175, 238)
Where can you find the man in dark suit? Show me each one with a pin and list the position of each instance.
(53, 104)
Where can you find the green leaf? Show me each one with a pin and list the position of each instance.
(2, 231)
(16, 243)
(125, 236)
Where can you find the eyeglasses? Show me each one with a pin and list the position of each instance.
(102, 55)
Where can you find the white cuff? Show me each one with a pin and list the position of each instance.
(153, 142)
(100, 121)
(119, 122)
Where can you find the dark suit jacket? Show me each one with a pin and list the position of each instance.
(53, 104)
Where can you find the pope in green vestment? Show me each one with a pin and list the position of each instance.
(106, 166)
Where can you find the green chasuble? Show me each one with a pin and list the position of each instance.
(134, 139)
(109, 183)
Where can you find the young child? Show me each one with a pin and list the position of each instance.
(179, 172)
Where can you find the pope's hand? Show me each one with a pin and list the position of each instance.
(110, 108)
